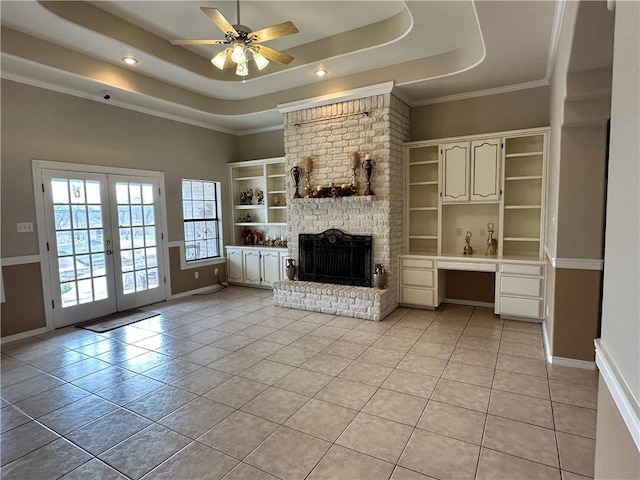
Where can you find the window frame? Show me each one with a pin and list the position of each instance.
(219, 259)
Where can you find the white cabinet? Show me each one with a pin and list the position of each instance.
(520, 290)
(255, 266)
(471, 170)
(422, 220)
(418, 282)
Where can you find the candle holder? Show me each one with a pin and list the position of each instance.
(354, 162)
(468, 249)
(308, 167)
(368, 169)
(296, 171)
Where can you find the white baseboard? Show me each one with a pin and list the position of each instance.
(548, 353)
(628, 406)
(572, 362)
(198, 291)
(23, 335)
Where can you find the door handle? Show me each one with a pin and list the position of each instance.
(108, 242)
(109, 252)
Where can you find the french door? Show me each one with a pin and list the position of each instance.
(104, 243)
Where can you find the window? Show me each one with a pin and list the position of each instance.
(200, 209)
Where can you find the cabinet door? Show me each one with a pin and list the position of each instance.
(485, 169)
(234, 265)
(251, 260)
(270, 261)
(454, 160)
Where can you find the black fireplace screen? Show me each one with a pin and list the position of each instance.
(335, 257)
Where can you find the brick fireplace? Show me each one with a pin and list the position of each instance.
(371, 120)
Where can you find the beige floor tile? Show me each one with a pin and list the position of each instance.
(24, 439)
(572, 476)
(574, 375)
(233, 342)
(528, 327)
(245, 471)
(433, 335)
(522, 350)
(575, 420)
(574, 394)
(521, 439)
(431, 349)
(401, 473)
(305, 382)
(522, 384)
(301, 326)
(293, 356)
(257, 331)
(234, 363)
(421, 364)
(456, 422)
(56, 398)
(345, 349)
(141, 452)
(462, 372)
(327, 364)
(474, 357)
(268, 345)
(322, 419)
(201, 380)
(345, 322)
(343, 463)
(381, 438)
(364, 372)
(239, 434)
(161, 402)
(477, 343)
(103, 379)
(236, 391)
(267, 372)
(275, 404)
(523, 408)
(361, 338)
(94, 469)
(522, 337)
(77, 414)
(51, 461)
(394, 344)
(288, 454)
(194, 461)
(440, 456)
(462, 395)
(172, 370)
(500, 466)
(396, 406)
(577, 454)
(480, 331)
(330, 332)
(411, 383)
(11, 417)
(406, 332)
(204, 355)
(196, 417)
(378, 356)
(527, 366)
(313, 342)
(346, 393)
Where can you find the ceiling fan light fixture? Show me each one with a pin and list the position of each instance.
(220, 59)
(242, 69)
(130, 60)
(261, 61)
(237, 54)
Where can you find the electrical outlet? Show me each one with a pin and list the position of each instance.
(25, 227)
(197, 274)
(458, 232)
(215, 272)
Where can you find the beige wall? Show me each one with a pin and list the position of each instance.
(261, 145)
(492, 113)
(617, 456)
(620, 306)
(185, 280)
(44, 125)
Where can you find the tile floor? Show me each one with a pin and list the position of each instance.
(228, 386)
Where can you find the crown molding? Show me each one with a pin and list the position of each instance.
(345, 96)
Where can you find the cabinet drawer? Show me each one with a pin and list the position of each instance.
(521, 269)
(417, 263)
(520, 307)
(418, 278)
(417, 296)
(530, 287)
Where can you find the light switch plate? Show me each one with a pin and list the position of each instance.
(25, 227)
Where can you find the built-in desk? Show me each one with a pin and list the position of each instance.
(519, 282)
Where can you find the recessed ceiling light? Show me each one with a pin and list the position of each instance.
(321, 72)
(130, 60)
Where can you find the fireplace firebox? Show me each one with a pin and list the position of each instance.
(335, 257)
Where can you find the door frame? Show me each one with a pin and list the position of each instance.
(37, 166)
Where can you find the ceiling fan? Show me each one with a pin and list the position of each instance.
(243, 42)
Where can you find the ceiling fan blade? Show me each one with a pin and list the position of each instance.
(218, 19)
(274, 55)
(197, 42)
(274, 31)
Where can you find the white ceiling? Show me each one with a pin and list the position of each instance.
(431, 51)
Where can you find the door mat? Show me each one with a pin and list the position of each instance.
(117, 320)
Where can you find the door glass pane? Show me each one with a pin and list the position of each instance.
(138, 258)
(122, 193)
(124, 217)
(78, 220)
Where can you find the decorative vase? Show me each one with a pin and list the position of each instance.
(296, 171)
(291, 269)
(368, 170)
(379, 276)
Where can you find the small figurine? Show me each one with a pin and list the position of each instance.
(243, 198)
(492, 243)
(257, 237)
(260, 197)
(468, 250)
(276, 200)
(250, 195)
